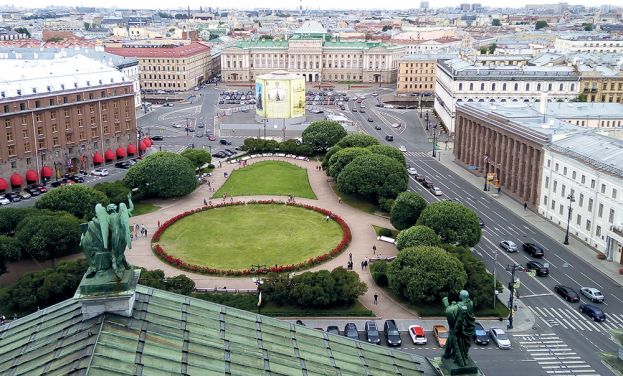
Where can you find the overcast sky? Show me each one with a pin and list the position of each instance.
(317, 4)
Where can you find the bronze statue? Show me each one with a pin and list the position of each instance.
(105, 238)
(461, 328)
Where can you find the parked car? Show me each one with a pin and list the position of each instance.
(24, 195)
(57, 183)
(228, 152)
(389, 137)
(354, 109)
(168, 104)
(427, 183)
(500, 338)
(480, 335)
(219, 154)
(395, 125)
(123, 164)
(76, 179)
(4, 200)
(392, 335)
(533, 249)
(32, 190)
(567, 292)
(593, 312)
(224, 142)
(372, 333)
(436, 191)
(231, 151)
(333, 330)
(440, 333)
(592, 294)
(402, 148)
(41, 188)
(157, 138)
(350, 331)
(418, 336)
(99, 172)
(412, 171)
(541, 269)
(13, 197)
(508, 245)
(420, 177)
(211, 137)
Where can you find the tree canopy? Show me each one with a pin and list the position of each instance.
(541, 24)
(406, 210)
(323, 134)
(343, 157)
(417, 236)
(361, 140)
(116, 191)
(46, 237)
(163, 175)
(198, 157)
(479, 280)
(453, 222)
(389, 151)
(373, 176)
(77, 199)
(325, 161)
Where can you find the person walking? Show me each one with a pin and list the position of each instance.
(362, 263)
(158, 223)
(525, 206)
(374, 249)
(205, 203)
(339, 200)
(145, 231)
(350, 257)
(376, 298)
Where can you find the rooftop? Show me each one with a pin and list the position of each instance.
(160, 52)
(54, 53)
(311, 27)
(461, 68)
(170, 334)
(598, 151)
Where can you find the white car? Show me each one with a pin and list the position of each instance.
(395, 125)
(412, 171)
(374, 94)
(4, 200)
(500, 338)
(402, 148)
(363, 105)
(418, 336)
(508, 245)
(592, 294)
(389, 106)
(100, 172)
(177, 125)
(436, 191)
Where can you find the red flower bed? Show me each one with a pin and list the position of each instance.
(181, 264)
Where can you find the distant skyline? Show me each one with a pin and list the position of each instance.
(291, 4)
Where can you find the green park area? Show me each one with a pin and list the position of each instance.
(268, 178)
(236, 237)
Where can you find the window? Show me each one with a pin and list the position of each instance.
(611, 216)
(614, 193)
(38, 117)
(547, 182)
(549, 163)
(603, 188)
(578, 219)
(562, 191)
(545, 200)
(600, 210)
(598, 230)
(555, 186)
(588, 225)
(583, 179)
(560, 209)
(581, 201)
(593, 183)
(553, 204)
(556, 168)
(590, 204)
(564, 171)
(573, 174)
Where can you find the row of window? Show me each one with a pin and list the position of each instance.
(593, 86)
(515, 86)
(578, 220)
(49, 89)
(565, 170)
(417, 65)
(163, 76)
(23, 106)
(415, 86)
(416, 79)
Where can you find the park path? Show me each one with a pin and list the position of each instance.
(360, 223)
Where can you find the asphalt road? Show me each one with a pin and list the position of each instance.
(578, 340)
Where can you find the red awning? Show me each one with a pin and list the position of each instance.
(109, 155)
(120, 152)
(97, 158)
(17, 180)
(148, 142)
(142, 146)
(131, 149)
(46, 172)
(31, 176)
(3, 185)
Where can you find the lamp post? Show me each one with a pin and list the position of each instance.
(571, 201)
(486, 159)
(511, 287)
(258, 282)
(434, 141)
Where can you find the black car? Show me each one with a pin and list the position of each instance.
(377, 127)
(227, 152)
(533, 249)
(76, 179)
(231, 151)
(219, 154)
(541, 270)
(372, 333)
(480, 335)
(370, 120)
(157, 138)
(481, 222)
(362, 111)
(593, 312)
(567, 292)
(224, 142)
(333, 330)
(389, 137)
(350, 331)
(427, 183)
(123, 164)
(392, 335)
(33, 191)
(420, 177)
(13, 197)
(56, 183)
(354, 109)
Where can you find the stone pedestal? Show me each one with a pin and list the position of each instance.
(99, 296)
(450, 368)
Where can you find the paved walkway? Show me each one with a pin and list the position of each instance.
(360, 223)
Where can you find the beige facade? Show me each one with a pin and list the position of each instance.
(416, 76)
(598, 88)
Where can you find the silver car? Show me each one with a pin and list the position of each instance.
(592, 294)
(508, 246)
(500, 338)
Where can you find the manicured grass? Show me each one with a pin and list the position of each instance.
(272, 178)
(248, 302)
(379, 229)
(141, 208)
(356, 202)
(237, 237)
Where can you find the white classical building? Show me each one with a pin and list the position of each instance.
(461, 81)
(587, 43)
(587, 166)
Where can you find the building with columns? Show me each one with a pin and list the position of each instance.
(312, 53)
(460, 81)
(590, 43)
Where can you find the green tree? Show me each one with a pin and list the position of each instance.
(77, 199)
(86, 25)
(163, 175)
(152, 278)
(541, 24)
(387, 27)
(587, 26)
(198, 157)
(425, 274)
(417, 236)
(453, 222)
(323, 134)
(581, 98)
(406, 210)
(483, 50)
(276, 288)
(378, 269)
(11, 217)
(49, 237)
(389, 151)
(304, 150)
(10, 250)
(343, 157)
(496, 22)
(328, 155)
(313, 289)
(288, 147)
(180, 284)
(348, 287)
(373, 176)
(22, 30)
(479, 280)
(492, 48)
(266, 37)
(360, 140)
(116, 191)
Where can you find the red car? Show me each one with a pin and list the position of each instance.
(211, 137)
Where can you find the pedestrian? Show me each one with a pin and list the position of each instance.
(525, 206)
(339, 200)
(220, 164)
(142, 229)
(208, 183)
(224, 174)
(145, 231)
(376, 298)
(158, 223)
(362, 264)
(499, 190)
(136, 227)
(210, 203)
(326, 218)
(231, 199)
(365, 264)
(205, 203)
(2, 318)
(350, 257)
(374, 249)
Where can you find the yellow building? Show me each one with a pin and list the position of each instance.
(280, 95)
(598, 87)
(416, 74)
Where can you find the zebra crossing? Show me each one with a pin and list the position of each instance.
(571, 319)
(553, 355)
(420, 154)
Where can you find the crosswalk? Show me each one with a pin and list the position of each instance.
(571, 319)
(554, 355)
(420, 154)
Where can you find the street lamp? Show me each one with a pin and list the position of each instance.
(434, 140)
(511, 287)
(258, 269)
(571, 201)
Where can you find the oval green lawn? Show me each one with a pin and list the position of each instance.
(269, 178)
(237, 237)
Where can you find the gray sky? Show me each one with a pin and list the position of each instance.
(317, 4)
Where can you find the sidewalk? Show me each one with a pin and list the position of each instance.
(580, 249)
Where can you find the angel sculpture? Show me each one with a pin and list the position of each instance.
(105, 238)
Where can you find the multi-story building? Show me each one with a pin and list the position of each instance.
(588, 43)
(309, 53)
(417, 73)
(601, 84)
(583, 179)
(60, 116)
(460, 81)
(178, 67)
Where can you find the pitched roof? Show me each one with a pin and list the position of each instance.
(174, 334)
(160, 52)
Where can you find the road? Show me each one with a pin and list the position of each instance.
(580, 338)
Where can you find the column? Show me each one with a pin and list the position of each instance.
(536, 165)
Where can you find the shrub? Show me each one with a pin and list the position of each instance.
(360, 140)
(417, 236)
(373, 176)
(406, 210)
(342, 158)
(77, 199)
(304, 149)
(116, 191)
(453, 222)
(49, 236)
(328, 155)
(385, 232)
(162, 175)
(389, 151)
(321, 135)
(386, 204)
(378, 269)
(198, 157)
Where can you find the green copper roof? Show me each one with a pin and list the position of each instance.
(262, 44)
(172, 334)
(283, 44)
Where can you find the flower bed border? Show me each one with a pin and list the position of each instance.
(181, 264)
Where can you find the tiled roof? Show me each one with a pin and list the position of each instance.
(170, 334)
(160, 52)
